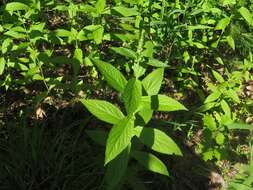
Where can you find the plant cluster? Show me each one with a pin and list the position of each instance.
(127, 61)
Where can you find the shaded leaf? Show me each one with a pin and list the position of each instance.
(150, 162)
(157, 140)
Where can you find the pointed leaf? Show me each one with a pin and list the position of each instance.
(125, 52)
(126, 12)
(161, 103)
(246, 15)
(157, 140)
(150, 162)
(212, 97)
(132, 95)
(218, 76)
(119, 138)
(152, 82)
(103, 110)
(112, 75)
(157, 63)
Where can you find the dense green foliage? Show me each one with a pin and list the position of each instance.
(148, 70)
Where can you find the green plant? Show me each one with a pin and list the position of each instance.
(140, 99)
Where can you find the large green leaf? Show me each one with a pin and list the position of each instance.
(150, 162)
(152, 82)
(117, 168)
(157, 140)
(246, 15)
(119, 138)
(112, 75)
(16, 6)
(103, 110)
(161, 103)
(125, 52)
(132, 95)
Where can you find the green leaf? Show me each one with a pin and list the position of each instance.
(231, 42)
(152, 82)
(126, 12)
(146, 114)
(62, 33)
(125, 52)
(239, 126)
(14, 34)
(161, 103)
(225, 107)
(148, 52)
(100, 6)
(222, 24)
(209, 121)
(233, 95)
(6, 44)
(156, 63)
(220, 139)
(119, 138)
(157, 140)
(218, 76)
(112, 75)
(150, 162)
(103, 110)
(16, 6)
(97, 32)
(98, 35)
(2, 65)
(213, 96)
(246, 15)
(117, 168)
(78, 54)
(206, 107)
(132, 95)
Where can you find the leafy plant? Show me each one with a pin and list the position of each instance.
(140, 99)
